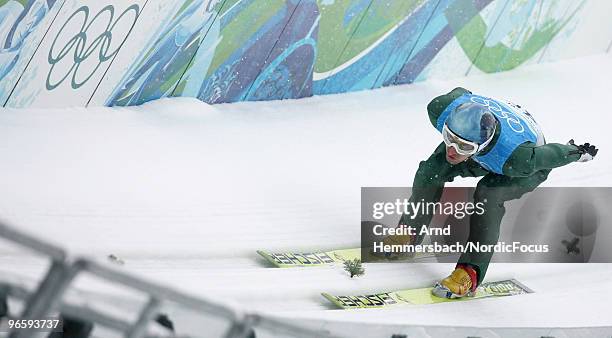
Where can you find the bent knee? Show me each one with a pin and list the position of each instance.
(491, 196)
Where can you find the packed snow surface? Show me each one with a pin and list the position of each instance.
(185, 192)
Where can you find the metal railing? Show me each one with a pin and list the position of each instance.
(48, 296)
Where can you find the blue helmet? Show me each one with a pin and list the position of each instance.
(472, 122)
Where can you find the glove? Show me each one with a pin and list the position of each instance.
(587, 151)
(391, 240)
(397, 240)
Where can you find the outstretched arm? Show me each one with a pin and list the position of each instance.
(529, 158)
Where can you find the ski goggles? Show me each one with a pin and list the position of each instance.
(462, 146)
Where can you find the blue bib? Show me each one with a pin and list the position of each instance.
(517, 127)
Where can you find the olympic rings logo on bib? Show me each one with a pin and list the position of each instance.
(513, 121)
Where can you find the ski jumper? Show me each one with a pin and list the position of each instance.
(515, 162)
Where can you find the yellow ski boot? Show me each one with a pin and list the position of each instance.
(461, 283)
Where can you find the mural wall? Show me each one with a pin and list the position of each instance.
(56, 53)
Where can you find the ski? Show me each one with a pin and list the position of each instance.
(422, 296)
(300, 259)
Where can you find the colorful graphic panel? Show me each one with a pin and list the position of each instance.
(56, 53)
(258, 48)
(438, 53)
(523, 29)
(23, 24)
(78, 49)
(288, 68)
(583, 33)
(159, 68)
(387, 30)
(155, 17)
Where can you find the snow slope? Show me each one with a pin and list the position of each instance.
(185, 192)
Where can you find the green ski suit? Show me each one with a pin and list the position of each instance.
(527, 167)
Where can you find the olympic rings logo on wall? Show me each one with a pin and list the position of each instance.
(85, 44)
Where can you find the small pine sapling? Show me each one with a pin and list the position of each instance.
(354, 268)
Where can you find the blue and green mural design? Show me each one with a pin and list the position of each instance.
(161, 65)
(528, 36)
(236, 50)
(18, 19)
(228, 51)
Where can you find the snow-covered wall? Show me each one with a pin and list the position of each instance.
(56, 53)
